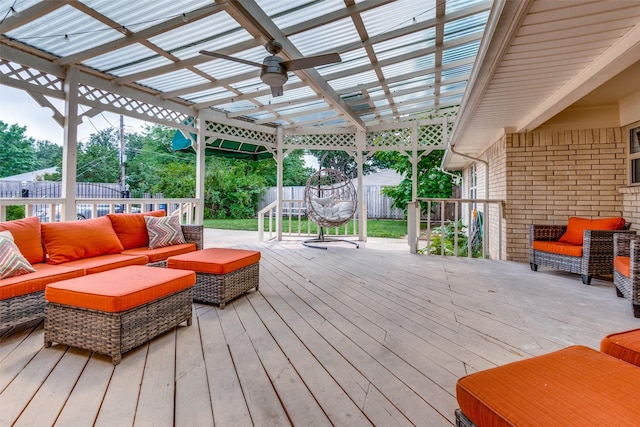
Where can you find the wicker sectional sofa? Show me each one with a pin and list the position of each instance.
(583, 246)
(65, 250)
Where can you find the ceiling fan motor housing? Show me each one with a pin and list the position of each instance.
(273, 74)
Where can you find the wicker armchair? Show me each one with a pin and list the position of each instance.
(597, 251)
(626, 272)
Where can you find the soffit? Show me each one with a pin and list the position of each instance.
(546, 56)
(401, 60)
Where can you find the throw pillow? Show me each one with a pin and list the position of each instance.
(27, 237)
(576, 226)
(12, 263)
(131, 228)
(164, 231)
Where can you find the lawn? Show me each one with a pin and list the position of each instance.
(375, 227)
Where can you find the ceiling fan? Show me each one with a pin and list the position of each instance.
(274, 69)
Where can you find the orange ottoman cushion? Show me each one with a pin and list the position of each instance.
(623, 345)
(120, 289)
(214, 260)
(573, 386)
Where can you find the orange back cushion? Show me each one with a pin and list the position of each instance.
(68, 241)
(576, 227)
(131, 228)
(26, 236)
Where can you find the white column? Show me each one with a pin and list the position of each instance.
(361, 142)
(200, 168)
(279, 181)
(414, 162)
(70, 144)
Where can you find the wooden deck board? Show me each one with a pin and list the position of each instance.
(339, 337)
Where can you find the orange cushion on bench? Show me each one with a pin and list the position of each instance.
(214, 260)
(160, 254)
(622, 264)
(71, 240)
(100, 263)
(26, 236)
(131, 228)
(576, 386)
(35, 282)
(623, 345)
(576, 227)
(557, 248)
(121, 289)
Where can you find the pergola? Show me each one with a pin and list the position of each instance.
(404, 69)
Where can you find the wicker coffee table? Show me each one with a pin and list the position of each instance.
(221, 274)
(115, 311)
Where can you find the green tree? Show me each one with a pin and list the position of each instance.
(18, 154)
(99, 158)
(342, 161)
(432, 182)
(295, 172)
(48, 155)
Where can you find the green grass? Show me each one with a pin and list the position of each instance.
(390, 228)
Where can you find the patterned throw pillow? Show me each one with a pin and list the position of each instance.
(164, 231)
(12, 263)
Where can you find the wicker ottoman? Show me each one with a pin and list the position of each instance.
(221, 274)
(623, 345)
(115, 311)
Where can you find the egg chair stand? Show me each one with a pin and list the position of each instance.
(331, 201)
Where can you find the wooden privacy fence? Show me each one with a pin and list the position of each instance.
(378, 205)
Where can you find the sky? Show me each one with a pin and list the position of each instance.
(17, 107)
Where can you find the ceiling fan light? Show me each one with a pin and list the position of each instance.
(274, 79)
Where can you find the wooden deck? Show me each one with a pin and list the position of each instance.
(339, 337)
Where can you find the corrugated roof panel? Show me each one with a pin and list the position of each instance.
(321, 39)
(223, 68)
(249, 86)
(398, 14)
(315, 116)
(236, 106)
(351, 59)
(413, 96)
(291, 12)
(452, 73)
(405, 44)
(173, 81)
(465, 26)
(48, 32)
(210, 95)
(211, 33)
(289, 94)
(455, 5)
(457, 53)
(354, 80)
(136, 15)
(314, 105)
(427, 105)
(409, 66)
(136, 66)
(123, 57)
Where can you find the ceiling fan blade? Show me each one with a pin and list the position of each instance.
(230, 58)
(311, 61)
(277, 91)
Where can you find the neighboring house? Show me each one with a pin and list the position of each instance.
(30, 176)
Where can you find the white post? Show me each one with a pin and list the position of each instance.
(361, 141)
(279, 181)
(201, 148)
(70, 144)
(414, 162)
(413, 225)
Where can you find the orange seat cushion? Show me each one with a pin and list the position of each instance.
(131, 228)
(71, 240)
(557, 248)
(161, 254)
(576, 226)
(622, 264)
(34, 282)
(623, 345)
(102, 263)
(214, 260)
(27, 237)
(121, 289)
(571, 387)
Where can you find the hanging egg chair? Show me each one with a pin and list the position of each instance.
(331, 201)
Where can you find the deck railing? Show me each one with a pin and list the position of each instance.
(295, 222)
(51, 209)
(471, 228)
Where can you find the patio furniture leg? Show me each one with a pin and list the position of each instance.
(618, 293)
(636, 310)
(586, 279)
(534, 267)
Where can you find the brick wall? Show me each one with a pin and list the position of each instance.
(552, 175)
